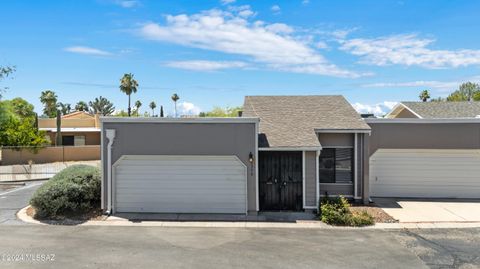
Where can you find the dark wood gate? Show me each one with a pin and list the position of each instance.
(280, 180)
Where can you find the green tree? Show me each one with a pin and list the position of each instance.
(5, 71)
(21, 132)
(138, 104)
(21, 107)
(17, 126)
(65, 108)
(161, 112)
(466, 92)
(175, 98)
(152, 107)
(218, 112)
(128, 85)
(49, 100)
(102, 106)
(476, 96)
(81, 106)
(121, 113)
(424, 95)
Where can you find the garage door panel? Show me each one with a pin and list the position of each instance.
(425, 173)
(180, 184)
(167, 199)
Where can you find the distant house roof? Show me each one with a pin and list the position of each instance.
(440, 110)
(292, 121)
(78, 115)
(72, 130)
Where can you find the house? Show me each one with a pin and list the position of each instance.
(283, 154)
(78, 129)
(435, 110)
(295, 132)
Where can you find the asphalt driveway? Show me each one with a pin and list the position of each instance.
(160, 247)
(431, 210)
(157, 247)
(14, 199)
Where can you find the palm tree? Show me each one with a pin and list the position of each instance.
(128, 85)
(175, 98)
(49, 100)
(138, 104)
(153, 106)
(81, 106)
(65, 108)
(102, 106)
(424, 95)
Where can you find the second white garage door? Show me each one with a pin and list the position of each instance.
(180, 184)
(425, 173)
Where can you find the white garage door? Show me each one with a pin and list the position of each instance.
(180, 184)
(425, 173)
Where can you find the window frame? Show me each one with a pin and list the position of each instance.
(352, 171)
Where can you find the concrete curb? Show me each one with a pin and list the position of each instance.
(22, 215)
(114, 221)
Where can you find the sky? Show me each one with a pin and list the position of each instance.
(213, 53)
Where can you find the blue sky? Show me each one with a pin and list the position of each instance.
(212, 53)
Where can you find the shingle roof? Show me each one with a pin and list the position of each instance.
(445, 110)
(290, 121)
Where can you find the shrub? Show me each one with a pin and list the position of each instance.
(336, 211)
(72, 191)
(361, 218)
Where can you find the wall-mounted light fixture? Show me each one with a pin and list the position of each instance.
(250, 157)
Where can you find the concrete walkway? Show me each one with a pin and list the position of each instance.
(431, 210)
(299, 224)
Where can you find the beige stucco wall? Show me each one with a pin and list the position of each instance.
(405, 113)
(50, 155)
(91, 138)
(66, 123)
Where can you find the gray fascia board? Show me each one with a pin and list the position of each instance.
(178, 120)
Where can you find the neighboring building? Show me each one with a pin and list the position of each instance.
(78, 129)
(435, 110)
(284, 153)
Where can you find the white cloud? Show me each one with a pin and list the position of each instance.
(127, 3)
(440, 86)
(279, 28)
(433, 84)
(378, 109)
(408, 49)
(243, 11)
(305, 2)
(201, 65)
(273, 46)
(321, 45)
(226, 2)
(341, 34)
(186, 108)
(87, 51)
(276, 9)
